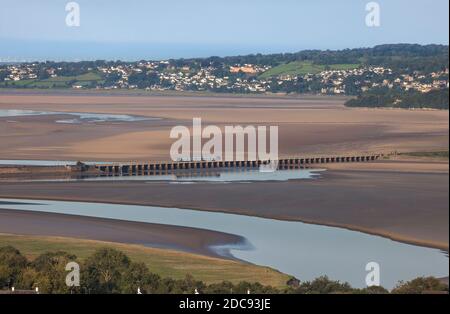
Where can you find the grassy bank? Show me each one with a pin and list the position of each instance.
(437, 154)
(165, 263)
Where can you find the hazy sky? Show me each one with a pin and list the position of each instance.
(136, 29)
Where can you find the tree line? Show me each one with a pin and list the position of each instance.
(111, 271)
(399, 57)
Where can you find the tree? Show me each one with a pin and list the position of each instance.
(323, 285)
(12, 263)
(30, 279)
(52, 267)
(420, 285)
(42, 74)
(224, 287)
(137, 275)
(189, 284)
(373, 290)
(103, 271)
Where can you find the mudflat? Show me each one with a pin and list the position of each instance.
(184, 239)
(307, 126)
(407, 201)
(409, 205)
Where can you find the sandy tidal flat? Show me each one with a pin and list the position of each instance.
(307, 126)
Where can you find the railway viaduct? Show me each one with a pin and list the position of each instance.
(146, 167)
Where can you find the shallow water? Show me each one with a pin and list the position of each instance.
(303, 250)
(80, 117)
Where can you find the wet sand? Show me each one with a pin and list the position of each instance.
(190, 240)
(307, 126)
(409, 205)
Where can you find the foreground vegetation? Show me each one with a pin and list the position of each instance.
(165, 263)
(111, 271)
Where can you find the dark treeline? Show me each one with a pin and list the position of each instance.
(399, 57)
(405, 57)
(111, 271)
(384, 97)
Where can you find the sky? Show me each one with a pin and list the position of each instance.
(161, 29)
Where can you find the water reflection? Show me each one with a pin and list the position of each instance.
(225, 175)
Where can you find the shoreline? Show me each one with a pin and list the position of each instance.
(144, 93)
(194, 94)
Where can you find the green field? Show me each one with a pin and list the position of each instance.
(303, 68)
(58, 82)
(439, 154)
(166, 263)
